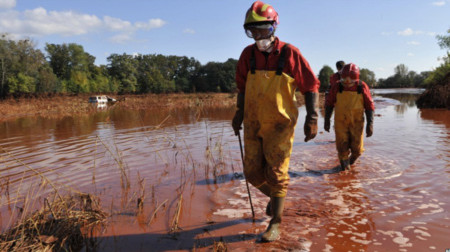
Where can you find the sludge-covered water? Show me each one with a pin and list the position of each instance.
(393, 199)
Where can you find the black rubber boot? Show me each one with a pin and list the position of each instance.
(269, 209)
(345, 165)
(265, 188)
(273, 231)
(353, 158)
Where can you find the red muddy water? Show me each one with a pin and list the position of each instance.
(395, 198)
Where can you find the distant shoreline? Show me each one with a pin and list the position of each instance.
(60, 106)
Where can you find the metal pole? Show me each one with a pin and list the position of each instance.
(246, 182)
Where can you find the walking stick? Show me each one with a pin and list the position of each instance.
(246, 182)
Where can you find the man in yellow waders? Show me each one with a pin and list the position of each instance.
(351, 98)
(267, 74)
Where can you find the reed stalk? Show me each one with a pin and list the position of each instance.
(176, 219)
(155, 212)
(35, 171)
(119, 160)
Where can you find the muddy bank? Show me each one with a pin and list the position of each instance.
(436, 96)
(63, 106)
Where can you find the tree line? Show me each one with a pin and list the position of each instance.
(67, 68)
(402, 78)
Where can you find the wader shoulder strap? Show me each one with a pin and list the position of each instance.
(282, 59)
(253, 61)
(359, 87)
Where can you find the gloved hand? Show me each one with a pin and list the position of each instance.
(239, 115)
(328, 113)
(310, 127)
(237, 121)
(369, 125)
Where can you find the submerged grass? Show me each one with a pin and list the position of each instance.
(60, 223)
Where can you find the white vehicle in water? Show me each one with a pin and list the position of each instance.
(98, 99)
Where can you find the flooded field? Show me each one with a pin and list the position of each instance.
(172, 180)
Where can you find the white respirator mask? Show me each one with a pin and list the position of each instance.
(264, 45)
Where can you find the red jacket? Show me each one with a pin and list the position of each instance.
(296, 66)
(335, 78)
(367, 97)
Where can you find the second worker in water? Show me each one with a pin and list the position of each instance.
(351, 99)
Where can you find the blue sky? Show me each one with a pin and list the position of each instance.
(377, 35)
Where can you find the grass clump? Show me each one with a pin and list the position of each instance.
(61, 225)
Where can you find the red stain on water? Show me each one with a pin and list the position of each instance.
(393, 199)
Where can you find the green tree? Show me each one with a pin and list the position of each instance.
(184, 72)
(440, 72)
(6, 61)
(403, 78)
(48, 82)
(156, 73)
(123, 71)
(228, 73)
(324, 77)
(21, 83)
(73, 65)
(59, 59)
(215, 77)
(444, 41)
(401, 70)
(20, 65)
(99, 79)
(368, 77)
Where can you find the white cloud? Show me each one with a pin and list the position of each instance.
(7, 4)
(189, 31)
(150, 24)
(410, 54)
(116, 24)
(440, 3)
(67, 23)
(40, 22)
(121, 38)
(413, 43)
(410, 32)
(406, 32)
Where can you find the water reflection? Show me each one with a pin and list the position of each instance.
(438, 116)
(406, 100)
(167, 147)
(32, 129)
